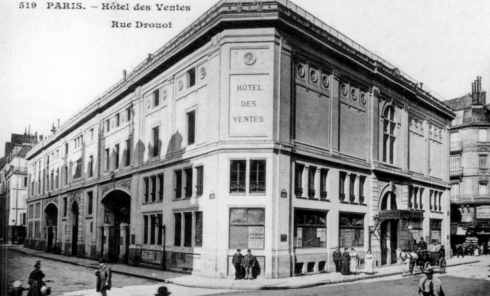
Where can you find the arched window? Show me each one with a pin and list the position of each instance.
(389, 134)
(389, 199)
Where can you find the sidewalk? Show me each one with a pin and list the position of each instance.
(195, 281)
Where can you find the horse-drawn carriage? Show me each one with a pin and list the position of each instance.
(422, 260)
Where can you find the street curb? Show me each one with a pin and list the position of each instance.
(320, 283)
(230, 287)
(88, 266)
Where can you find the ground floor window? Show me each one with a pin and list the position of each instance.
(247, 228)
(310, 230)
(37, 229)
(351, 230)
(435, 231)
(30, 230)
(191, 224)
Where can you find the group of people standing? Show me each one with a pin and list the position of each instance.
(244, 265)
(348, 262)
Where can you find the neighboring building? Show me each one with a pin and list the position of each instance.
(13, 188)
(470, 167)
(258, 127)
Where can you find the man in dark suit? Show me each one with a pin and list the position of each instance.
(237, 262)
(249, 262)
(422, 245)
(337, 259)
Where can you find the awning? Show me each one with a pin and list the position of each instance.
(401, 214)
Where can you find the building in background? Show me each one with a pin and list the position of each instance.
(13, 188)
(470, 167)
(258, 127)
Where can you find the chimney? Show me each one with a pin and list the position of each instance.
(53, 130)
(124, 74)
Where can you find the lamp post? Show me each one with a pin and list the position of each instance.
(372, 229)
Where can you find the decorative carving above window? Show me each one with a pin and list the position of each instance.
(343, 89)
(301, 70)
(363, 98)
(313, 76)
(354, 94)
(325, 81)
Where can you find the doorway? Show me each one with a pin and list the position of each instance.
(74, 229)
(117, 205)
(51, 213)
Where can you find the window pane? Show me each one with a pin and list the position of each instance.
(152, 229)
(191, 127)
(256, 216)
(145, 230)
(238, 237)
(178, 229)
(238, 216)
(198, 235)
(187, 229)
(257, 176)
(237, 175)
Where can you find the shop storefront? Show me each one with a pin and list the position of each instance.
(435, 231)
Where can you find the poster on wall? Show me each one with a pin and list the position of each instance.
(321, 233)
(256, 237)
(483, 212)
(435, 235)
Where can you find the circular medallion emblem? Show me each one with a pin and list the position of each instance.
(203, 72)
(301, 71)
(344, 90)
(354, 94)
(325, 81)
(363, 98)
(313, 76)
(181, 85)
(249, 58)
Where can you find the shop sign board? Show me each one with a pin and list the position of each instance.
(256, 237)
(483, 212)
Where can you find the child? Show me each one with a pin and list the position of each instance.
(17, 289)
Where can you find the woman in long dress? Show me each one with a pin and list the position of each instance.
(369, 263)
(345, 269)
(353, 260)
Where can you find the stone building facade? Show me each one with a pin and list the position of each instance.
(470, 145)
(258, 127)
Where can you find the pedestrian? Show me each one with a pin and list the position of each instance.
(337, 259)
(430, 285)
(422, 245)
(459, 250)
(36, 280)
(104, 278)
(345, 269)
(369, 263)
(17, 289)
(442, 252)
(354, 259)
(237, 262)
(248, 263)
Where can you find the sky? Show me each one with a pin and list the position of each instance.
(54, 62)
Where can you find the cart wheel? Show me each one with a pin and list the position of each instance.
(442, 265)
(411, 267)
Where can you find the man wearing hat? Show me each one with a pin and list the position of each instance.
(430, 285)
(248, 263)
(237, 262)
(337, 259)
(17, 289)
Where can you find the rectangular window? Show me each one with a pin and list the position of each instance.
(31, 211)
(107, 125)
(159, 229)
(431, 204)
(352, 184)
(483, 161)
(156, 98)
(257, 176)
(91, 134)
(198, 235)
(37, 210)
(57, 178)
(362, 181)
(191, 127)
(247, 228)
(90, 197)
(482, 189)
(90, 166)
(191, 77)
(237, 175)
(128, 114)
(65, 206)
(30, 229)
(107, 159)
(188, 182)
(146, 189)
(178, 229)
(199, 180)
(160, 187)
(298, 179)
(351, 230)
(153, 180)
(311, 181)
(152, 229)
(116, 156)
(178, 184)
(156, 140)
(128, 152)
(78, 169)
(117, 120)
(188, 229)
(455, 165)
(66, 175)
(66, 150)
(310, 230)
(25, 181)
(145, 229)
(342, 178)
(37, 230)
